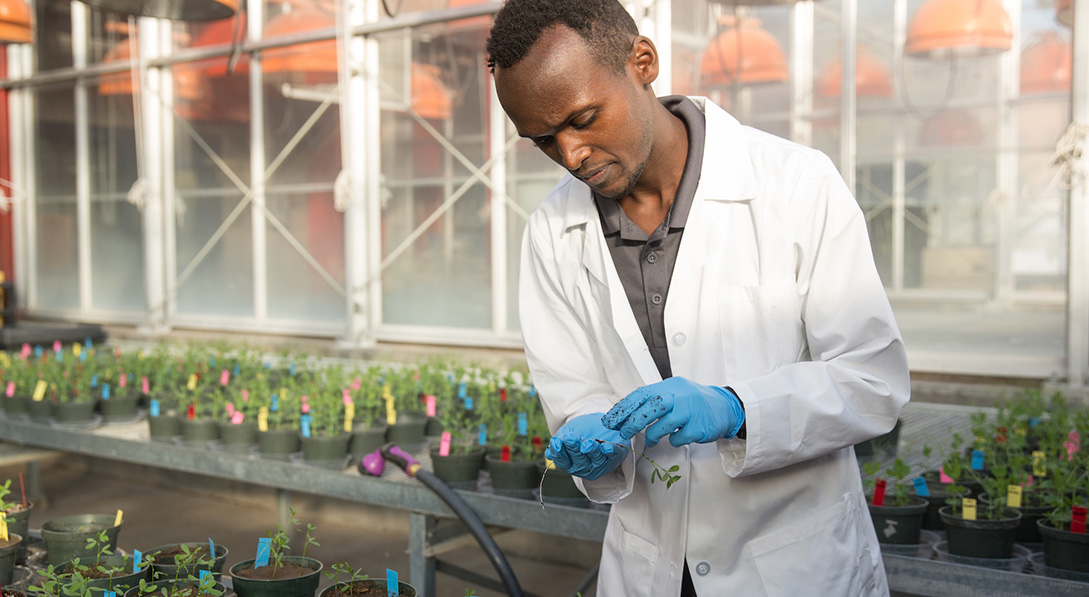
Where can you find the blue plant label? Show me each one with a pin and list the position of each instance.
(205, 574)
(268, 364)
(483, 435)
(264, 550)
(977, 460)
(109, 594)
(154, 407)
(132, 377)
(60, 356)
(291, 369)
(236, 370)
(461, 390)
(532, 391)
(94, 381)
(37, 352)
(212, 547)
(87, 341)
(137, 557)
(305, 422)
(275, 406)
(391, 583)
(105, 391)
(920, 487)
(212, 362)
(1034, 421)
(523, 425)
(468, 403)
(82, 356)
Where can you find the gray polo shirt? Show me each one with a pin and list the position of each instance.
(645, 262)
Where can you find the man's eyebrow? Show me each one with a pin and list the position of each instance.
(552, 131)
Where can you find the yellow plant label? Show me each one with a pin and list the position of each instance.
(391, 414)
(1013, 496)
(117, 519)
(4, 528)
(262, 418)
(76, 348)
(549, 465)
(349, 414)
(968, 505)
(39, 390)
(283, 394)
(1039, 469)
(192, 384)
(4, 359)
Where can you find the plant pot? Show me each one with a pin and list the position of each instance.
(434, 427)
(8, 551)
(899, 525)
(66, 537)
(278, 444)
(326, 451)
(558, 485)
(1027, 531)
(119, 408)
(980, 538)
(19, 523)
(199, 431)
(74, 412)
(16, 406)
(514, 478)
(369, 587)
(303, 585)
(408, 431)
(936, 500)
(120, 582)
(1064, 549)
(164, 566)
(459, 470)
(164, 428)
(172, 584)
(237, 438)
(40, 411)
(365, 441)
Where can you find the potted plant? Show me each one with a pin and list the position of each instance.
(108, 571)
(283, 575)
(17, 515)
(897, 514)
(179, 561)
(986, 532)
(66, 537)
(278, 422)
(360, 584)
(369, 427)
(323, 436)
(205, 585)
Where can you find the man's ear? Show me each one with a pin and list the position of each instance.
(644, 60)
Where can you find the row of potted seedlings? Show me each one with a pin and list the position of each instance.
(1020, 483)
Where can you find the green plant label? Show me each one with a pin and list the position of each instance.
(264, 550)
(391, 583)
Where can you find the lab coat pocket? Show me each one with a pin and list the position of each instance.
(827, 551)
(638, 557)
(761, 326)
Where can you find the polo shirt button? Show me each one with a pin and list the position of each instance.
(679, 338)
(651, 258)
(656, 298)
(703, 568)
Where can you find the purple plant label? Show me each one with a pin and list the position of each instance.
(391, 583)
(264, 550)
(977, 460)
(305, 422)
(137, 557)
(920, 487)
(523, 425)
(154, 407)
(483, 435)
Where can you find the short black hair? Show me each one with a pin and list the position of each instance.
(605, 25)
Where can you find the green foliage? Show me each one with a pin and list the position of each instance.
(280, 541)
(352, 575)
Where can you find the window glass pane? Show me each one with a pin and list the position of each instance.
(55, 203)
(53, 50)
(215, 273)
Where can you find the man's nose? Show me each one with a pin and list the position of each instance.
(573, 152)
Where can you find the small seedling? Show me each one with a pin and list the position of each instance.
(343, 568)
(660, 473)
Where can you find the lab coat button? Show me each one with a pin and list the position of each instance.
(679, 338)
(703, 568)
(656, 298)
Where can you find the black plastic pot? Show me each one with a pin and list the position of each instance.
(278, 444)
(19, 523)
(302, 586)
(40, 411)
(459, 470)
(8, 551)
(120, 407)
(324, 449)
(981, 538)
(408, 431)
(166, 568)
(195, 431)
(403, 589)
(66, 537)
(558, 485)
(367, 439)
(1027, 531)
(514, 478)
(237, 438)
(74, 412)
(16, 406)
(164, 428)
(1064, 549)
(899, 525)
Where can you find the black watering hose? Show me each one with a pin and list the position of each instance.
(372, 465)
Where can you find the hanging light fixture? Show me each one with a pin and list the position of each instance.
(176, 10)
(872, 77)
(482, 23)
(743, 53)
(963, 27)
(316, 61)
(1046, 65)
(430, 98)
(15, 22)
(188, 85)
(1064, 12)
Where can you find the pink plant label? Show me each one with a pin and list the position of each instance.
(429, 402)
(245, 395)
(224, 378)
(57, 346)
(444, 444)
(11, 389)
(1071, 444)
(25, 352)
(230, 409)
(145, 386)
(944, 478)
(879, 493)
(237, 417)
(304, 399)
(123, 382)
(305, 408)
(347, 396)
(356, 384)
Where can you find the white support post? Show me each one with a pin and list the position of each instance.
(258, 164)
(83, 157)
(153, 84)
(848, 99)
(1077, 299)
(497, 137)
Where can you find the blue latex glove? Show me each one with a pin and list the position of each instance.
(682, 409)
(576, 450)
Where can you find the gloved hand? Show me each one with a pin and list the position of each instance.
(575, 447)
(680, 408)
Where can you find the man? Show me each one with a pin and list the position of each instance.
(731, 264)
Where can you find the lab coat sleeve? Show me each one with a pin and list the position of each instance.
(855, 380)
(566, 368)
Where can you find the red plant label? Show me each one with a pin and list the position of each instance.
(1077, 519)
(502, 394)
(504, 455)
(536, 443)
(191, 412)
(879, 493)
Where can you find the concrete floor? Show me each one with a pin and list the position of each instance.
(162, 507)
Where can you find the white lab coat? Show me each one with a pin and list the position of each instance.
(775, 294)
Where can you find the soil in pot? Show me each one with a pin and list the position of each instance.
(298, 577)
(66, 537)
(899, 525)
(980, 538)
(1064, 549)
(165, 559)
(278, 444)
(366, 588)
(171, 588)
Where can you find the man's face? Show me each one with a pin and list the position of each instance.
(585, 116)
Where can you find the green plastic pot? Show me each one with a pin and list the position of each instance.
(199, 430)
(8, 551)
(515, 478)
(19, 523)
(460, 470)
(983, 538)
(74, 412)
(899, 525)
(164, 584)
(119, 408)
(1064, 549)
(403, 589)
(324, 449)
(237, 438)
(40, 411)
(558, 484)
(66, 537)
(367, 440)
(164, 428)
(302, 586)
(164, 567)
(124, 580)
(408, 431)
(16, 406)
(278, 444)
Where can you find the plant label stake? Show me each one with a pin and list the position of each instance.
(444, 444)
(1071, 444)
(117, 519)
(224, 377)
(944, 478)
(264, 549)
(429, 405)
(22, 489)
(483, 435)
(461, 390)
(523, 425)
(503, 395)
(230, 409)
(262, 419)
(39, 390)
(238, 417)
(391, 583)
(94, 381)
(57, 346)
(38, 352)
(968, 505)
(468, 403)
(536, 443)
(191, 412)
(245, 396)
(921, 488)
(977, 460)
(145, 386)
(204, 574)
(4, 529)
(1039, 466)
(137, 557)
(110, 594)
(304, 421)
(76, 349)
(154, 407)
(879, 492)
(1013, 496)
(123, 382)
(212, 547)
(391, 413)
(349, 415)
(25, 351)
(10, 390)
(1077, 519)
(504, 454)
(192, 383)
(105, 391)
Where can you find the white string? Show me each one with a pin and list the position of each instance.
(1066, 161)
(17, 194)
(140, 189)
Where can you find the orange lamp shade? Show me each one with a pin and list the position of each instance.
(15, 22)
(872, 77)
(1047, 65)
(967, 27)
(951, 128)
(313, 57)
(430, 98)
(220, 33)
(744, 54)
(178, 10)
(481, 23)
(1064, 12)
(188, 82)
